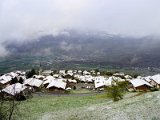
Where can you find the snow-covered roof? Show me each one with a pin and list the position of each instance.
(47, 72)
(13, 75)
(86, 72)
(5, 78)
(63, 72)
(39, 76)
(69, 73)
(14, 88)
(119, 74)
(156, 78)
(139, 82)
(72, 81)
(128, 77)
(33, 82)
(109, 81)
(148, 78)
(99, 81)
(48, 79)
(56, 75)
(58, 83)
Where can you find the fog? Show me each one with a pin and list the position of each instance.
(25, 20)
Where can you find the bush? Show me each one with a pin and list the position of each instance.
(117, 91)
(67, 91)
(31, 73)
(154, 89)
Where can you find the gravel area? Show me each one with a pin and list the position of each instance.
(141, 107)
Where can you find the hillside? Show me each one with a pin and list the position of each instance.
(142, 107)
(74, 47)
(134, 106)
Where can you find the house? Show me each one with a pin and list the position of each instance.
(22, 73)
(14, 89)
(70, 72)
(128, 77)
(71, 83)
(86, 73)
(140, 84)
(57, 86)
(48, 80)
(47, 72)
(109, 82)
(89, 78)
(119, 74)
(118, 79)
(80, 72)
(99, 81)
(5, 80)
(62, 72)
(85, 78)
(93, 72)
(156, 80)
(98, 73)
(34, 83)
(41, 77)
(56, 75)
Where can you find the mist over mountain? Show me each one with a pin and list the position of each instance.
(93, 47)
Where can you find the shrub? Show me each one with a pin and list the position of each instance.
(67, 91)
(117, 91)
(154, 89)
(29, 74)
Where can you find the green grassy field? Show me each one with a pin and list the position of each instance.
(34, 108)
(134, 106)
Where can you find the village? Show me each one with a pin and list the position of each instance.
(17, 83)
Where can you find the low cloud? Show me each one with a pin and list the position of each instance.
(24, 20)
(3, 51)
(68, 46)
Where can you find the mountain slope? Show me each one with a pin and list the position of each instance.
(98, 47)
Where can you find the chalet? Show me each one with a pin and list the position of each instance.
(98, 73)
(70, 72)
(34, 83)
(57, 86)
(80, 72)
(48, 80)
(41, 77)
(71, 84)
(75, 71)
(109, 81)
(86, 73)
(22, 73)
(93, 72)
(5, 80)
(14, 89)
(140, 85)
(128, 77)
(99, 81)
(62, 72)
(156, 80)
(47, 72)
(56, 75)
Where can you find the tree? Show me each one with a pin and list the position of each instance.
(31, 73)
(21, 80)
(8, 107)
(14, 80)
(97, 70)
(117, 91)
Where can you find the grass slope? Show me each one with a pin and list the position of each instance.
(134, 106)
(34, 108)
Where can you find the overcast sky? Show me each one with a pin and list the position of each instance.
(26, 19)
